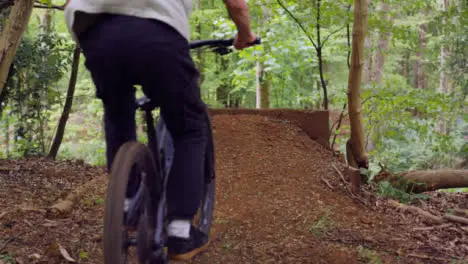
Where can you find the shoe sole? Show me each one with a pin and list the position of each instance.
(189, 255)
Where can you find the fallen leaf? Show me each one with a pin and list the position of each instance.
(35, 255)
(3, 215)
(65, 254)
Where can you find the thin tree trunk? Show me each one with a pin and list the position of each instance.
(368, 55)
(262, 89)
(200, 59)
(68, 105)
(262, 77)
(319, 54)
(384, 36)
(404, 68)
(367, 74)
(356, 144)
(443, 124)
(419, 77)
(12, 35)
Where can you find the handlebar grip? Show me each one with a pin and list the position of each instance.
(257, 41)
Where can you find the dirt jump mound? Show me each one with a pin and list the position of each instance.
(280, 199)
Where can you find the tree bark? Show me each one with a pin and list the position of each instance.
(263, 87)
(443, 124)
(384, 36)
(200, 64)
(426, 181)
(368, 55)
(356, 142)
(367, 74)
(318, 49)
(262, 77)
(12, 35)
(68, 105)
(419, 75)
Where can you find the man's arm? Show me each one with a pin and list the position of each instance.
(239, 13)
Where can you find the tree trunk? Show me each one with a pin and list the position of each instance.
(222, 91)
(12, 35)
(443, 124)
(356, 142)
(200, 64)
(384, 36)
(263, 89)
(419, 77)
(367, 74)
(368, 55)
(262, 77)
(318, 49)
(46, 20)
(404, 68)
(68, 105)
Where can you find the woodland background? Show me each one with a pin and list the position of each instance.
(414, 90)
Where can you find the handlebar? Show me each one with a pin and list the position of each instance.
(218, 43)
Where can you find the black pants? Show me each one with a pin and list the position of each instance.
(123, 51)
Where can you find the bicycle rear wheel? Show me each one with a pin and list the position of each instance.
(132, 160)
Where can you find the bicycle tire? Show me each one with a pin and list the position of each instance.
(129, 154)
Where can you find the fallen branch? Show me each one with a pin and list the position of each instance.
(458, 219)
(429, 228)
(339, 173)
(327, 183)
(425, 257)
(427, 216)
(64, 206)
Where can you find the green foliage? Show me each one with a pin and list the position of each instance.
(7, 259)
(41, 61)
(401, 122)
(323, 223)
(387, 190)
(370, 256)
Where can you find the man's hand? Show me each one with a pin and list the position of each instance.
(243, 41)
(239, 13)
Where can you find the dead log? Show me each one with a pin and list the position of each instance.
(436, 179)
(64, 206)
(426, 181)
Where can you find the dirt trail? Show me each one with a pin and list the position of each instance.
(279, 200)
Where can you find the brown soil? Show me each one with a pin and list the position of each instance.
(279, 200)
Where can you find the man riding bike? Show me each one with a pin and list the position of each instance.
(135, 42)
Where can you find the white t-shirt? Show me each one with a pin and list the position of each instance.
(175, 13)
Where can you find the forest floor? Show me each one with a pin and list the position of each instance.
(280, 199)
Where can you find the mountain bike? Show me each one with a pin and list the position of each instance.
(145, 169)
